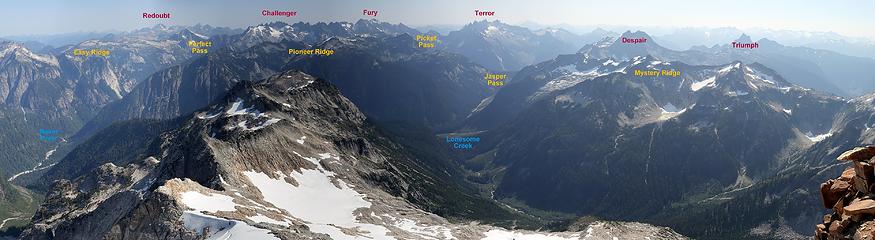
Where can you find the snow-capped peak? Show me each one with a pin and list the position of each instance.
(273, 29)
(270, 32)
(711, 82)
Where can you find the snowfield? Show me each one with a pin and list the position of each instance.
(237, 109)
(501, 234)
(818, 138)
(709, 82)
(209, 203)
(219, 228)
(670, 111)
(223, 229)
(325, 207)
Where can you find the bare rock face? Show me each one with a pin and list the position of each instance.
(88, 206)
(63, 84)
(850, 199)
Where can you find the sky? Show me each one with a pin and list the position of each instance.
(846, 17)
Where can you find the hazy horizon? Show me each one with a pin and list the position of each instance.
(49, 17)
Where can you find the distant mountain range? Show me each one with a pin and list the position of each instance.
(684, 38)
(503, 47)
(818, 69)
(392, 60)
(600, 134)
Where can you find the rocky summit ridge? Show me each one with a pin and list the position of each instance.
(851, 197)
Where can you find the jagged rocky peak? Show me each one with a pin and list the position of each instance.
(377, 27)
(291, 96)
(367, 22)
(744, 38)
(629, 39)
(636, 35)
(277, 24)
(482, 24)
(188, 34)
(486, 27)
(272, 30)
(850, 197)
(261, 28)
(625, 46)
(365, 25)
(319, 32)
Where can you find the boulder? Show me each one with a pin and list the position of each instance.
(840, 187)
(832, 191)
(858, 154)
(856, 207)
(820, 232)
(848, 174)
(864, 170)
(838, 226)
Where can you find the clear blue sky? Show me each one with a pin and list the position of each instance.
(846, 17)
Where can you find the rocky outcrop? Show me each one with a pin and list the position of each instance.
(850, 198)
(88, 206)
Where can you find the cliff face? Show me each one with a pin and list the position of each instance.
(850, 196)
